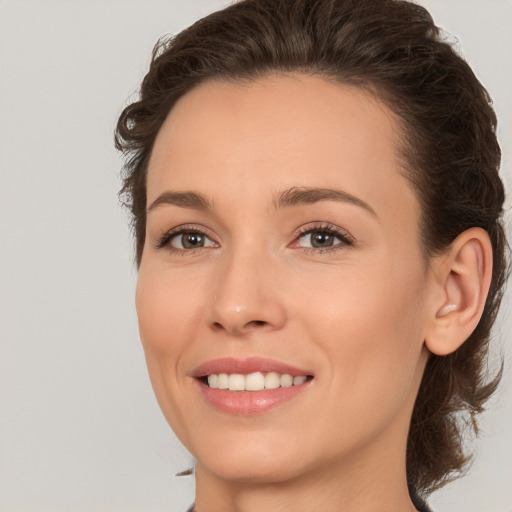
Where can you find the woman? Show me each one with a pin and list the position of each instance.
(317, 211)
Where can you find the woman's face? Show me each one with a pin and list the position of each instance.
(282, 242)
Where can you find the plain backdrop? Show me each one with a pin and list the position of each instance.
(80, 429)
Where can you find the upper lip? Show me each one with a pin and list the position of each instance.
(246, 366)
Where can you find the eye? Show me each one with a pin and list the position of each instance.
(185, 239)
(190, 240)
(323, 238)
(318, 239)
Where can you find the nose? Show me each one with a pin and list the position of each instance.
(247, 296)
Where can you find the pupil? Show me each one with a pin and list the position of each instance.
(192, 240)
(321, 239)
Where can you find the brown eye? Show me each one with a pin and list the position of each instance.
(187, 241)
(321, 239)
(190, 240)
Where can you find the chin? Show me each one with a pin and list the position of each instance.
(247, 460)
(251, 470)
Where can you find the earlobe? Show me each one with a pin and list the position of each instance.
(463, 278)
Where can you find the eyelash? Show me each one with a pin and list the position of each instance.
(345, 239)
(165, 240)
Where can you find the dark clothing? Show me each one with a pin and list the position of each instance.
(418, 503)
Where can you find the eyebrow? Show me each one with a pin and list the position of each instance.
(308, 195)
(294, 196)
(183, 200)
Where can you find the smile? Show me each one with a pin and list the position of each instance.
(250, 386)
(256, 381)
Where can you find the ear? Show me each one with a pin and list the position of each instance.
(463, 277)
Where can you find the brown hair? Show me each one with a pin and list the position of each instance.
(393, 49)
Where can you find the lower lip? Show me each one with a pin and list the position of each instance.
(248, 403)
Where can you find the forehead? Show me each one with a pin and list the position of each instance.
(235, 140)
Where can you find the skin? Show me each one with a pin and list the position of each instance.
(355, 316)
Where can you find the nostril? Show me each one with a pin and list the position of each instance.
(239, 329)
(255, 323)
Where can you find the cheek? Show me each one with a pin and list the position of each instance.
(371, 333)
(167, 310)
(170, 307)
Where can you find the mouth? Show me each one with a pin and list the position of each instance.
(250, 386)
(256, 381)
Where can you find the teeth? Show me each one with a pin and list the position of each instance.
(254, 381)
(213, 381)
(286, 380)
(236, 382)
(272, 380)
(223, 381)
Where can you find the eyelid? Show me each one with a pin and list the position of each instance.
(347, 240)
(163, 241)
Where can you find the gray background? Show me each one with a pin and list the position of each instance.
(80, 429)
